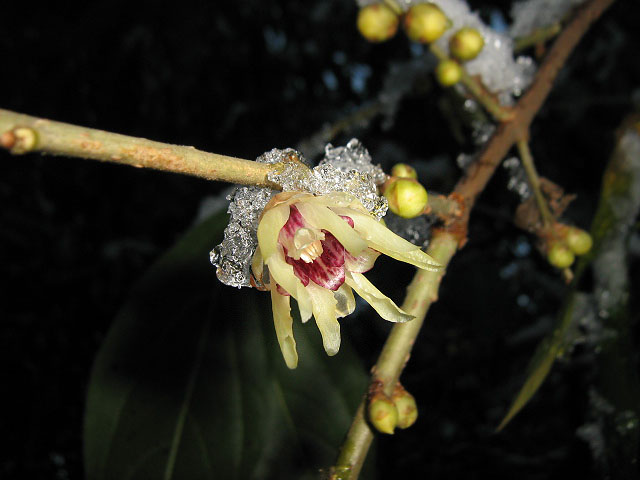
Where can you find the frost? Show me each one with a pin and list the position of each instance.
(344, 169)
(529, 15)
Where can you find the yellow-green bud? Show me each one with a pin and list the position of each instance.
(448, 73)
(383, 414)
(377, 22)
(25, 140)
(560, 255)
(407, 198)
(407, 408)
(425, 23)
(579, 241)
(403, 170)
(466, 43)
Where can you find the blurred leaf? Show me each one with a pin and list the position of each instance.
(190, 382)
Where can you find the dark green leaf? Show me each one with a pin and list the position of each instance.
(190, 382)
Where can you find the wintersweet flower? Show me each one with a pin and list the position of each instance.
(316, 249)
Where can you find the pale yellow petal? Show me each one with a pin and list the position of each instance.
(382, 304)
(324, 311)
(284, 327)
(336, 199)
(322, 217)
(345, 302)
(304, 303)
(282, 273)
(385, 241)
(269, 227)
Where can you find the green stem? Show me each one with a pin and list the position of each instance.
(475, 88)
(421, 293)
(393, 5)
(22, 134)
(534, 181)
(536, 37)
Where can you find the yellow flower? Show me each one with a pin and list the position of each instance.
(316, 249)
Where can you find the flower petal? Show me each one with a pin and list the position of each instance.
(363, 262)
(382, 304)
(269, 228)
(282, 273)
(284, 327)
(345, 302)
(322, 217)
(324, 311)
(385, 241)
(304, 304)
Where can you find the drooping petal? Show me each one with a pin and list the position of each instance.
(324, 311)
(284, 327)
(382, 304)
(385, 241)
(269, 228)
(322, 217)
(282, 273)
(345, 302)
(363, 262)
(304, 303)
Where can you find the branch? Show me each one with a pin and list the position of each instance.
(423, 290)
(22, 133)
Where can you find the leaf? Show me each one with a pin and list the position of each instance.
(190, 382)
(549, 349)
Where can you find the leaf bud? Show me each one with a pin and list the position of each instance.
(377, 22)
(383, 414)
(425, 23)
(560, 255)
(579, 241)
(448, 73)
(406, 197)
(406, 406)
(466, 44)
(403, 170)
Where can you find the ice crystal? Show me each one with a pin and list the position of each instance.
(529, 15)
(344, 169)
(518, 181)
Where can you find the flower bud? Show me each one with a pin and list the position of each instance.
(425, 23)
(448, 73)
(377, 22)
(403, 170)
(466, 44)
(383, 414)
(406, 406)
(579, 241)
(407, 198)
(560, 255)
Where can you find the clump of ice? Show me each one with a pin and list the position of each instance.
(344, 169)
(529, 15)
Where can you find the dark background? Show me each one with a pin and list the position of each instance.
(240, 78)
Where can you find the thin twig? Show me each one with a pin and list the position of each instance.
(534, 181)
(475, 88)
(21, 133)
(538, 36)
